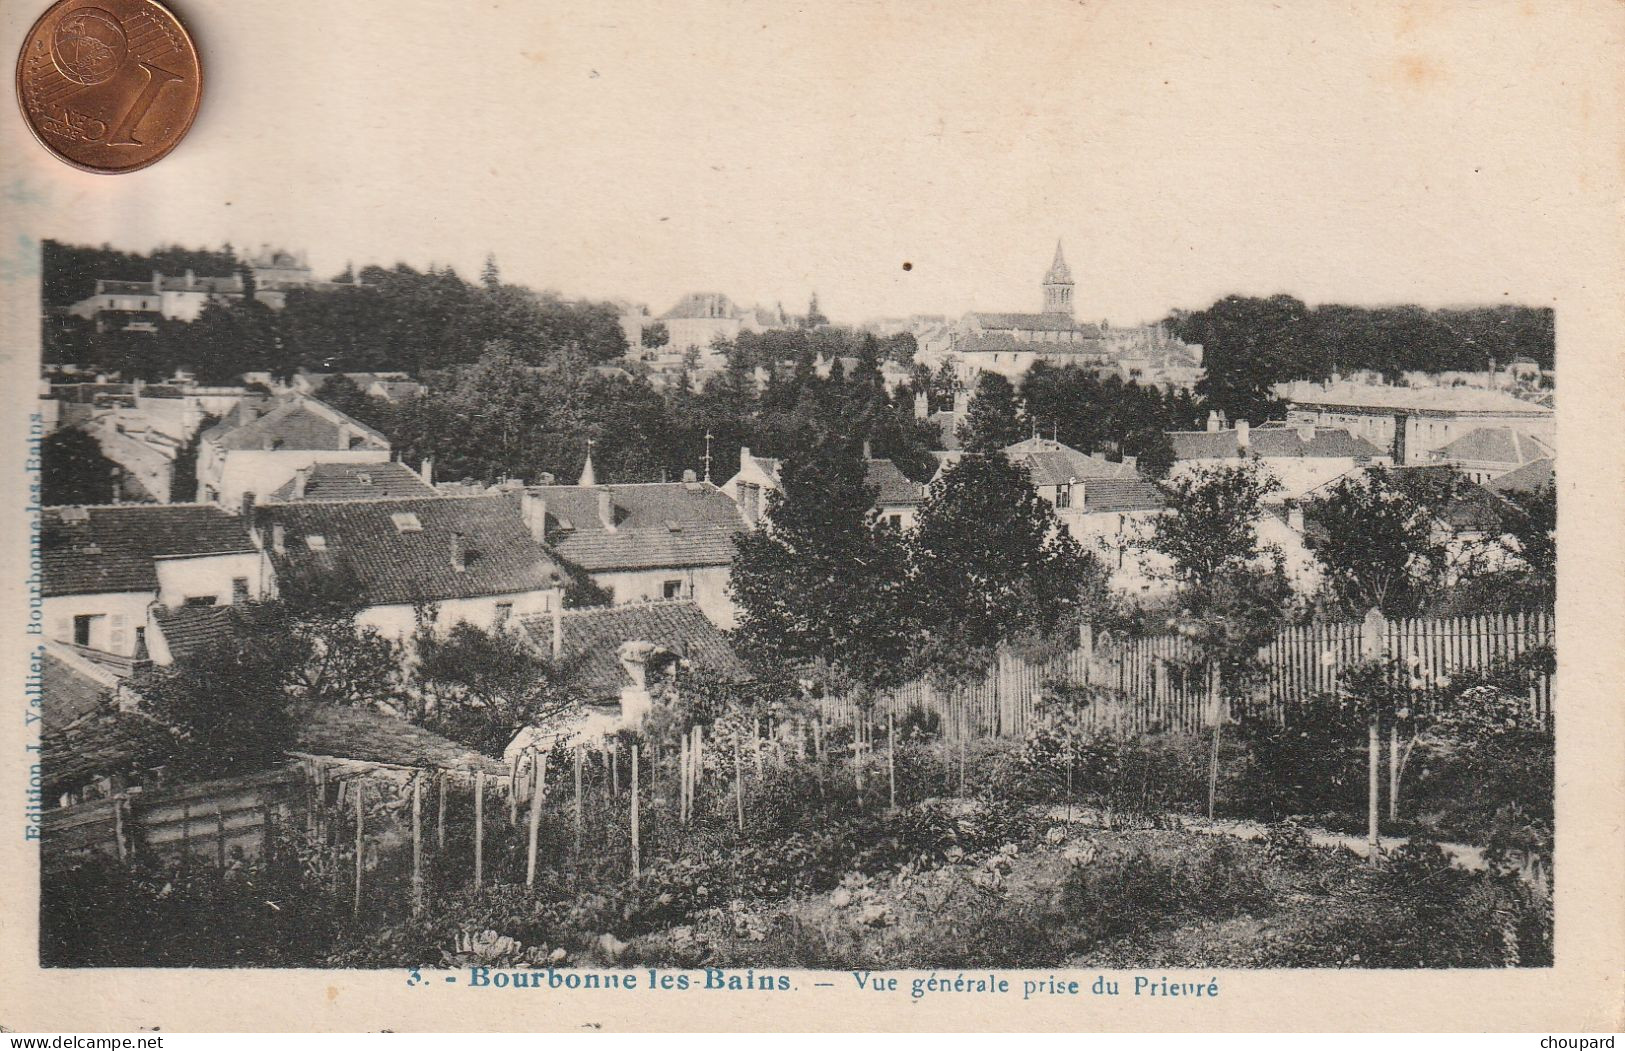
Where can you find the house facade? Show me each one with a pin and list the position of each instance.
(643, 542)
(1301, 456)
(263, 442)
(472, 558)
(105, 568)
(897, 499)
(1410, 423)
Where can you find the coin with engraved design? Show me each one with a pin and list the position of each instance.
(109, 86)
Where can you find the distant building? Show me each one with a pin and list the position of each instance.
(471, 557)
(1530, 478)
(1490, 452)
(106, 567)
(1410, 423)
(642, 542)
(140, 305)
(263, 442)
(354, 481)
(1300, 456)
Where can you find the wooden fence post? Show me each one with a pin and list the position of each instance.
(580, 757)
(891, 756)
(1371, 648)
(683, 749)
(360, 843)
(417, 842)
(1393, 770)
(1216, 714)
(636, 863)
(440, 815)
(739, 778)
(536, 794)
(118, 825)
(479, 828)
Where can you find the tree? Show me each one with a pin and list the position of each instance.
(1211, 523)
(1249, 345)
(1378, 543)
(993, 565)
(655, 335)
(74, 471)
(490, 275)
(815, 317)
(481, 687)
(1530, 524)
(993, 421)
(820, 585)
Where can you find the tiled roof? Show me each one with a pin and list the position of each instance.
(359, 481)
(1270, 443)
(106, 743)
(294, 421)
(71, 688)
(1531, 477)
(389, 566)
(1411, 399)
(373, 737)
(893, 486)
(1051, 463)
(1035, 323)
(191, 630)
(657, 525)
(1495, 445)
(593, 637)
(1122, 494)
(90, 550)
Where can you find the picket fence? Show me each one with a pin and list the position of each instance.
(1144, 683)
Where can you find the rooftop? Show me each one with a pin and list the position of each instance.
(892, 486)
(1531, 477)
(401, 551)
(1271, 442)
(291, 421)
(90, 550)
(1495, 445)
(1106, 495)
(374, 737)
(593, 637)
(1442, 400)
(1034, 323)
(1052, 463)
(358, 481)
(656, 525)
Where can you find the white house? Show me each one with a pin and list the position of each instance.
(473, 558)
(106, 567)
(263, 442)
(1301, 456)
(897, 499)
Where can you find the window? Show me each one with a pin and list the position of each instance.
(200, 600)
(316, 542)
(239, 590)
(672, 589)
(406, 522)
(83, 626)
(1063, 497)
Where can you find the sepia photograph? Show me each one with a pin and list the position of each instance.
(747, 526)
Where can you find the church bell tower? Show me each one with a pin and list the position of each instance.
(1058, 286)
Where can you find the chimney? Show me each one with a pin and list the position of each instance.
(868, 452)
(1098, 456)
(247, 505)
(344, 436)
(1212, 421)
(459, 552)
(606, 508)
(689, 477)
(922, 406)
(279, 538)
(1131, 462)
(533, 509)
(426, 470)
(1242, 434)
(548, 478)
(744, 456)
(301, 482)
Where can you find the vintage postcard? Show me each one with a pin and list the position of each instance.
(855, 516)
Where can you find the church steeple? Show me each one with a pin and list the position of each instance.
(1058, 285)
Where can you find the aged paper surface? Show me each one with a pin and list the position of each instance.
(1436, 153)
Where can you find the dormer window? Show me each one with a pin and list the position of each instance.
(406, 522)
(673, 526)
(316, 542)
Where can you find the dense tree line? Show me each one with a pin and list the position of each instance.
(1250, 344)
(386, 319)
(68, 273)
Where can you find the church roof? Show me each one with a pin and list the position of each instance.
(1059, 272)
(1050, 322)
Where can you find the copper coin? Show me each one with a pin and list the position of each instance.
(109, 85)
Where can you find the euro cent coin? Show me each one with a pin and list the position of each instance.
(109, 86)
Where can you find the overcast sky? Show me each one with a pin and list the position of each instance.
(1182, 151)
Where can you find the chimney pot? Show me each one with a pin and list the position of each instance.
(690, 477)
(606, 508)
(533, 509)
(248, 503)
(1243, 434)
(1212, 421)
(459, 552)
(301, 482)
(426, 470)
(744, 453)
